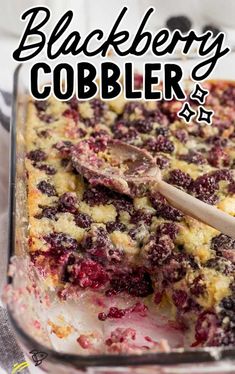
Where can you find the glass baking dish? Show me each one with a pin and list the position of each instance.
(27, 302)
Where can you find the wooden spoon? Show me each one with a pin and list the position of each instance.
(127, 169)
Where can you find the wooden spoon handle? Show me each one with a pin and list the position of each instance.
(197, 209)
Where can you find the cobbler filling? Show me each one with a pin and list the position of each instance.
(87, 237)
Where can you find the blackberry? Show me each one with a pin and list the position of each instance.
(115, 226)
(217, 141)
(83, 220)
(98, 107)
(228, 303)
(162, 162)
(217, 157)
(37, 155)
(48, 169)
(160, 144)
(135, 282)
(96, 196)
(127, 135)
(168, 228)
(159, 250)
(46, 188)
(228, 96)
(64, 147)
(143, 126)
(47, 118)
(141, 216)
(47, 212)
(222, 242)
(181, 135)
(67, 202)
(181, 23)
(180, 299)
(179, 178)
(214, 29)
(87, 274)
(221, 264)
(198, 286)
(98, 144)
(162, 131)
(131, 108)
(122, 202)
(175, 268)
(71, 114)
(61, 241)
(164, 210)
(73, 103)
(193, 157)
(41, 105)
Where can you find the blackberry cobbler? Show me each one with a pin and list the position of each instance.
(87, 239)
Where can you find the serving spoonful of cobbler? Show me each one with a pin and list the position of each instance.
(132, 171)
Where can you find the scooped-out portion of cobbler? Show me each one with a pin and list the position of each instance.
(135, 255)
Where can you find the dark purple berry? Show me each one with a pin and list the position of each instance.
(167, 228)
(159, 250)
(162, 162)
(141, 216)
(87, 273)
(115, 226)
(198, 286)
(180, 299)
(48, 169)
(83, 220)
(143, 126)
(162, 131)
(221, 264)
(164, 210)
(228, 97)
(217, 157)
(61, 241)
(181, 135)
(67, 202)
(160, 144)
(179, 178)
(228, 303)
(73, 103)
(96, 196)
(122, 202)
(64, 147)
(46, 188)
(193, 157)
(41, 105)
(37, 155)
(181, 23)
(135, 282)
(47, 212)
(214, 29)
(222, 242)
(217, 141)
(125, 134)
(47, 118)
(175, 268)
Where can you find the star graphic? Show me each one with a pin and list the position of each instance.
(199, 94)
(205, 115)
(186, 112)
